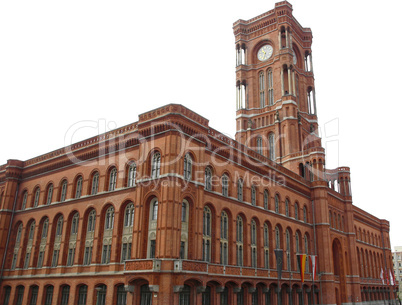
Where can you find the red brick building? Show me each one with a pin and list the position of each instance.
(167, 210)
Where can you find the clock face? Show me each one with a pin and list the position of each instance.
(265, 52)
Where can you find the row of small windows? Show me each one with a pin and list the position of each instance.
(78, 187)
(291, 246)
(367, 237)
(64, 297)
(71, 237)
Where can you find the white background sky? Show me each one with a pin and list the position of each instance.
(65, 62)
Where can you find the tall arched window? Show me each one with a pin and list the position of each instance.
(107, 235)
(240, 190)
(153, 223)
(126, 244)
(287, 207)
(131, 173)
(63, 192)
(73, 239)
(306, 249)
(78, 187)
(156, 165)
(49, 194)
(224, 238)
(31, 234)
(305, 214)
(16, 247)
(296, 211)
(208, 179)
(271, 142)
(239, 241)
(270, 83)
(266, 198)
(225, 185)
(36, 198)
(261, 83)
(253, 195)
(259, 145)
(24, 200)
(89, 238)
(184, 229)
(154, 214)
(188, 164)
(266, 246)
(112, 179)
(206, 235)
(121, 295)
(95, 183)
(253, 236)
(288, 264)
(277, 238)
(276, 204)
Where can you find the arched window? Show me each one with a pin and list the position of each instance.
(253, 236)
(153, 217)
(225, 185)
(305, 214)
(65, 294)
(224, 238)
(45, 228)
(43, 241)
(74, 224)
(206, 240)
(266, 198)
(131, 173)
(259, 145)
(49, 295)
(63, 192)
(184, 229)
(188, 164)
(112, 179)
(78, 187)
(208, 179)
(239, 241)
(271, 142)
(36, 198)
(240, 190)
(91, 221)
(270, 83)
(296, 211)
(287, 207)
(156, 165)
(101, 295)
(89, 238)
(82, 295)
(306, 251)
(277, 238)
(109, 218)
(155, 210)
(288, 250)
(121, 295)
(31, 231)
(16, 247)
(24, 200)
(129, 215)
(95, 183)
(49, 194)
(261, 83)
(184, 211)
(276, 204)
(266, 246)
(253, 195)
(297, 238)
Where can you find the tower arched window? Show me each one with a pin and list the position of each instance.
(240, 190)
(156, 165)
(112, 179)
(271, 141)
(131, 173)
(49, 196)
(239, 241)
(63, 192)
(36, 198)
(240, 95)
(225, 185)
(266, 198)
(259, 145)
(253, 195)
(266, 246)
(208, 179)
(95, 183)
(224, 238)
(78, 187)
(270, 83)
(276, 204)
(206, 235)
(261, 83)
(188, 164)
(253, 236)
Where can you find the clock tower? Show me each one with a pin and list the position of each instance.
(276, 110)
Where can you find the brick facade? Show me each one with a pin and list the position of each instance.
(168, 210)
